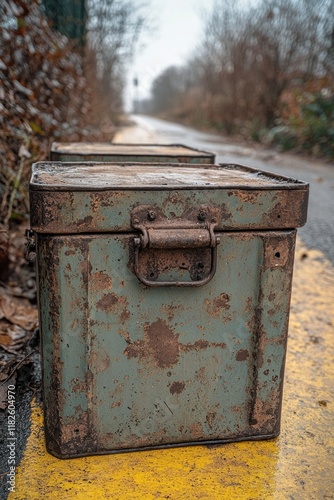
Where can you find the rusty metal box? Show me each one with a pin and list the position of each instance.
(164, 301)
(112, 152)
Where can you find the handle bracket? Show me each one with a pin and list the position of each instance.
(193, 230)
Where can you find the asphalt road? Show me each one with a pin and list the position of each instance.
(319, 230)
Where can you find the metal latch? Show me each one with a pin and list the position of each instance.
(193, 230)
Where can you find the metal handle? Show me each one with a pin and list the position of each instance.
(148, 282)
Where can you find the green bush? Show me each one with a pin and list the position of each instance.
(283, 136)
(317, 134)
(311, 131)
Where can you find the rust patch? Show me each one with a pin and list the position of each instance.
(265, 418)
(242, 355)
(177, 387)
(75, 437)
(125, 315)
(200, 374)
(222, 302)
(196, 431)
(75, 428)
(101, 281)
(198, 345)
(100, 360)
(170, 310)
(278, 252)
(69, 252)
(174, 198)
(115, 303)
(74, 324)
(126, 335)
(107, 302)
(117, 391)
(210, 419)
(290, 211)
(160, 344)
(218, 305)
(78, 385)
(95, 202)
(86, 221)
(245, 236)
(248, 196)
(249, 304)
(116, 404)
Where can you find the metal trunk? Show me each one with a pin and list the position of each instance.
(164, 301)
(110, 152)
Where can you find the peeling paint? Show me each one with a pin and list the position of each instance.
(160, 343)
(242, 355)
(177, 387)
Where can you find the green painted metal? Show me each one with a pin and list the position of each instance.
(81, 198)
(127, 366)
(117, 152)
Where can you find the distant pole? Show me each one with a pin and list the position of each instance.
(136, 99)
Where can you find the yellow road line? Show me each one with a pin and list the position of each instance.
(297, 465)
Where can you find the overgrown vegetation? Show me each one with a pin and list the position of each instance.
(265, 72)
(43, 95)
(53, 89)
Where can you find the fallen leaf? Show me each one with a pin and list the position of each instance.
(18, 311)
(12, 337)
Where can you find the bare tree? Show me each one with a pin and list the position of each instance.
(249, 58)
(287, 43)
(167, 88)
(113, 28)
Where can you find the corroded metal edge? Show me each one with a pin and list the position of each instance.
(61, 212)
(81, 427)
(278, 253)
(208, 443)
(49, 169)
(54, 151)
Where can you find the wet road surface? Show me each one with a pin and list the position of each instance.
(319, 230)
